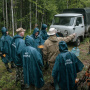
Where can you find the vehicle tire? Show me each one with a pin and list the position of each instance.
(82, 38)
(77, 43)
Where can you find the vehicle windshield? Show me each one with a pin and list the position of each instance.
(66, 21)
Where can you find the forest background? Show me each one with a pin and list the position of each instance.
(27, 13)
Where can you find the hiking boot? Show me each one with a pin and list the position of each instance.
(26, 86)
(9, 70)
(12, 66)
(52, 84)
(22, 87)
(17, 82)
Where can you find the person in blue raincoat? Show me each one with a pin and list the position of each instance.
(31, 41)
(6, 39)
(65, 69)
(43, 32)
(17, 45)
(32, 64)
(9, 39)
(37, 38)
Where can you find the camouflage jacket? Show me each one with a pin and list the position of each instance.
(51, 47)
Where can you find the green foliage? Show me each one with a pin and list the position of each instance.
(7, 81)
(46, 9)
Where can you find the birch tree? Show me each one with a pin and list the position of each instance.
(6, 16)
(15, 13)
(12, 16)
(21, 13)
(3, 13)
(67, 4)
(36, 11)
(30, 17)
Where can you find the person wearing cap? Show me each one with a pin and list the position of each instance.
(32, 64)
(16, 46)
(43, 32)
(65, 69)
(51, 48)
(6, 49)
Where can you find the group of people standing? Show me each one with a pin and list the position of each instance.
(29, 59)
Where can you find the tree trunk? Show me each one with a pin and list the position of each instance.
(36, 11)
(6, 16)
(30, 18)
(67, 4)
(21, 14)
(15, 18)
(3, 14)
(42, 18)
(12, 16)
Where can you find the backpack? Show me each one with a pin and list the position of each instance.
(14, 49)
(4, 45)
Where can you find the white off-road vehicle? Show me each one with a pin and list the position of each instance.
(73, 21)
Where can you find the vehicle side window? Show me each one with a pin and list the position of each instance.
(79, 19)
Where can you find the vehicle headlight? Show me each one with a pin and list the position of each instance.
(66, 33)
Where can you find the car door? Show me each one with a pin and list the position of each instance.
(79, 26)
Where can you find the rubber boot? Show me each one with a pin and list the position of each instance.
(52, 84)
(22, 87)
(9, 70)
(7, 67)
(12, 64)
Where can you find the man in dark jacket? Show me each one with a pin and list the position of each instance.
(43, 32)
(17, 46)
(65, 69)
(6, 48)
(32, 64)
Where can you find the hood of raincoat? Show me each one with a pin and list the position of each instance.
(63, 46)
(43, 32)
(4, 30)
(35, 30)
(18, 36)
(29, 41)
(44, 26)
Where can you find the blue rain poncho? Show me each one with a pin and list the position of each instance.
(16, 46)
(66, 67)
(32, 65)
(38, 40)
(6, 39)
(29, 41)
(43, 32)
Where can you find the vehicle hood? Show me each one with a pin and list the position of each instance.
(61, 29)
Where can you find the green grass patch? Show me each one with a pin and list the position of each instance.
(7, 80)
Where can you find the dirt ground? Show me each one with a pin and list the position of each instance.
(7, 80)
